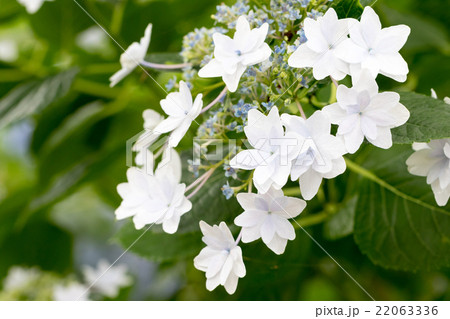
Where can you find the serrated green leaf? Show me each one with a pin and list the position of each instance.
(348, 8)
(30, 98)
(159, 246)
(397, 223)
(341, 223)
(429, 119)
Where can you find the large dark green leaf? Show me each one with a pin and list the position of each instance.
(397, 223)
(348, 8)
(341, 223)
(159, 246)
(429, 119)
(29, 98)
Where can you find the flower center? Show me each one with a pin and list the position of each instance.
(238, 52)
(371, 51)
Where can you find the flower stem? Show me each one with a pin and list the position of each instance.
(207, 176)
(198, 180)
(216, 100)
(300, 109)
(164, 66)
(311, 220)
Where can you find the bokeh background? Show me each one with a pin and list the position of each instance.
(63, 133)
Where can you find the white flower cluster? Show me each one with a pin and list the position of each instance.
(106, 280)
(33, 284)
(282, 146)
(305, 148)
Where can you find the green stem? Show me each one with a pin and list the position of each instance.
(311, 220)
(117, 17)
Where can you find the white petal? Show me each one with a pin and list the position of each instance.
(277, 244)
(292, 207)
(393, 64)
(179, 132)
(231, 284)
(118, 76)
(247, 159)
(350, 52)
(283, 227)
(354, 139)
(441, 195)
(310, 183)
(250, 234)
(238, 266)
(392, 39)
(371, 25)
(267, 231)
(420, 162)
(211, 70)
(170, 226)
(213, 282)
(257, 56)
(334, 113)
(145, 40)
(303, 57)
(339, 167)
(316, 40)
(246, 200)
(250, 218)
(384, 138)
(232, 80)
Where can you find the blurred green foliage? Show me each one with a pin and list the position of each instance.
(57, 141)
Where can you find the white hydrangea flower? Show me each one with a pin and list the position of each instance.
(233, 56)
(157, 198)
(71, 292)
(221, 259)
(151, 120)
(361, 112)
(272, 153)
(267, 216)
(32, 6)
(182, 111)
(433, 161)
(107, 280)
(376, 49)
(319, 53)
(132, 57)
(320, 154)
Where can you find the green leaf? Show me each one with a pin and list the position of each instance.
(348, 8)
(397, 223)
(159, 246)
(429, 119)
(341, 223)
(30, 98)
